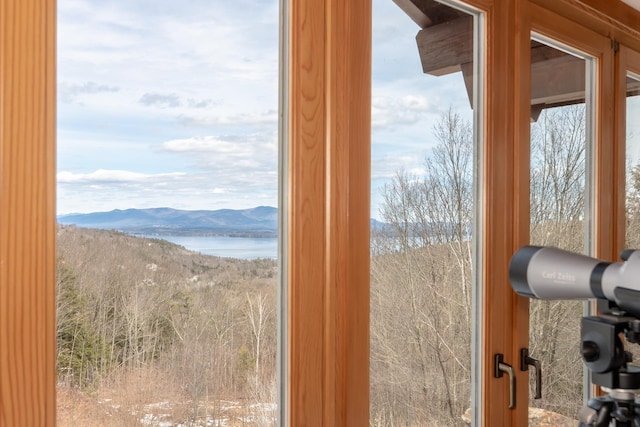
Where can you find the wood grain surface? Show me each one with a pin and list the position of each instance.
(27, 213)
(328, 194)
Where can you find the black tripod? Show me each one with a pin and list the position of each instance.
(604, 354)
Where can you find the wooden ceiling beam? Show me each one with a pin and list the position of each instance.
(426, 13)
(444, 47)
(414, 12)
(557, 78)
(558, 81)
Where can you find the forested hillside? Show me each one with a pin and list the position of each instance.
(150, 333)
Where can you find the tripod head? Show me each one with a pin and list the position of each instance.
(604, 355)
(553, 274)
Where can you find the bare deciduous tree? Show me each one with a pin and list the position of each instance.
(421, 288)
(421, 275)
(558, 212)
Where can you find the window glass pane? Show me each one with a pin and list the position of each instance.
(167, 202)
(632, 236)
(422, 249)
(632, 178)
(560, 134)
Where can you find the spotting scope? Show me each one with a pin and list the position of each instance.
(549, 273)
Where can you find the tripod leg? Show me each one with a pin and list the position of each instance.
(587, 416)
(597, 413)
(604, 417)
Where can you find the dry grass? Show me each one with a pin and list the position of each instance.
(77, 409)
(148, 397)
(134, 398)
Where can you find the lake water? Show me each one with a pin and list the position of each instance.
(229, 247)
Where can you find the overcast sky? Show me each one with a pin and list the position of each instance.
(165, 103)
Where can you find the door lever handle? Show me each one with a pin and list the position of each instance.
(525, 362)
(500, 368)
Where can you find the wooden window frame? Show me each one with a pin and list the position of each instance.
(327, 201)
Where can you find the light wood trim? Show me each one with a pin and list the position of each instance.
(609, 231)
(615, 12)
(522, 172)
(27, 213)
(305, 342)
(609, 18)
(328, 202)
(501, 329)
(620, 121)
(348, 224)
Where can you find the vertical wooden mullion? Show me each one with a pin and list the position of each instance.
(27, 213)
(306, 214)
(337, 155)
(620, 130)
(609, 189)
(348, 197)
(328, 202)
(521, 194)
(503, 209)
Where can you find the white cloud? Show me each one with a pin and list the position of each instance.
(114, 176)
(142, 81)
(268, 117)
(251, 160)
(386, 166)
(215, 54)
(405, 109)
(103, 190)
(69, 92)
(140, 77)
(225, 171)
(169, 100)
(231, 146)
(199, 103)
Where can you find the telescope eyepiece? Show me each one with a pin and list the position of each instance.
(590, 351)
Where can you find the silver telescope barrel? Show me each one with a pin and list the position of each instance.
(551, 273)
(544, 272)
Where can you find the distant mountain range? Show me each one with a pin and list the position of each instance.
(256, 222)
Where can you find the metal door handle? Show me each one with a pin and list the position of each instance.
(500, 368)
(525, 362)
